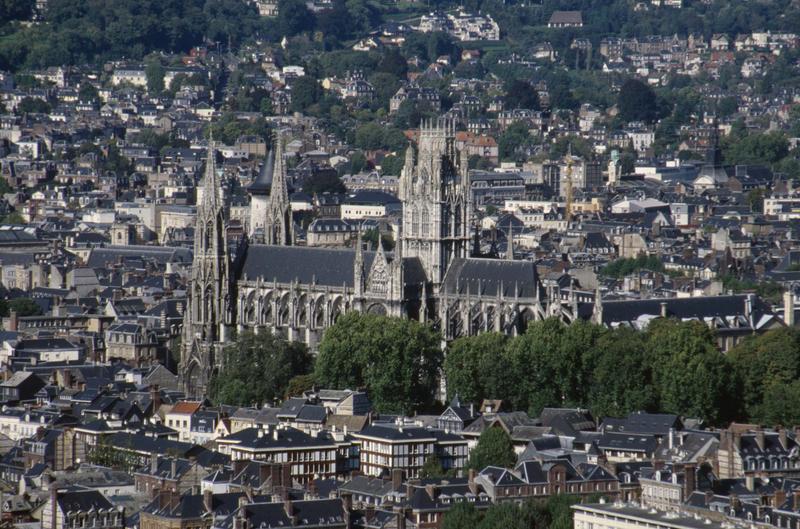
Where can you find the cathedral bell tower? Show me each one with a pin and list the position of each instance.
(437, 205)
(207, 315)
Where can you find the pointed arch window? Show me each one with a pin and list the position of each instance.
(414, 222)
(426, 222)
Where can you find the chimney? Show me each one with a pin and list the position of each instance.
(431, 490)
(779, 498)
(748, 307)
(671, 438)
(67, 378)
(734, 501)
(155, 397)
(663, 309)
(13, 322)
(737, 440)
(397, 478)
(208, 500)
(473, 487)
(347, 507)
(347, 501)
(401, 517)
(788, 308)
(173, 469)
(288, 507)
(53, 505)
(312, 488)
(153, 463)
(689, 480)
(750, 482)
(709, 496)
(760, 439)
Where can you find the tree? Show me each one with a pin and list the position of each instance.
(689, 373)
(548, 364)
(505, 515)
(781, 404)
(298, 385)
(515, 138)
(432, 469)
(494, 448)
(461, 516)
(767, 148)
(258, 369)
(154, 71)
(33, 105)
(620, 350)
(88, 92)
(392, 62)
(305, 92)
(15, 9)
(764, 365)
(24, 307)
(13, 218)
(294, 17)
(521, 94)
(392, 165)
(476, 367)
(637, 102)
(397, 360)
(369, 136)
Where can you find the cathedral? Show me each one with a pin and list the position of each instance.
(298, 291)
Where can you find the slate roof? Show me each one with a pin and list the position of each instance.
(644, 423)
(82, 501)
(102, 257)
(700, 308)
(307, 513)
(263, 182)
(392, 433)
(326, 266)
(628, 442)
(287, 438)
(491, 277)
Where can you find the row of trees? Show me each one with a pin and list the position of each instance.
(671, 366)
(80, 31)
(553, 513)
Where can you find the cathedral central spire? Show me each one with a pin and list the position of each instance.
(279, 227)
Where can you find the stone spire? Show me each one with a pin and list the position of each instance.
(597, 312)
(209, 293)
(510, 245)
(358, 267)
(279, 191)
(279, 227)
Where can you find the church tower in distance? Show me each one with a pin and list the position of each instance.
(209, 293)
(437, 206)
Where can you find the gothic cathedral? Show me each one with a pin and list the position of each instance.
(297, 292)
